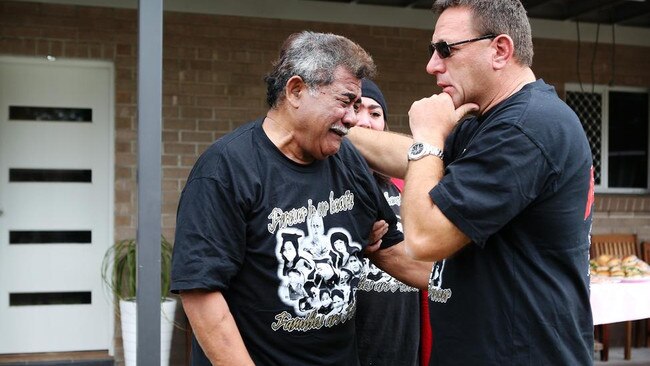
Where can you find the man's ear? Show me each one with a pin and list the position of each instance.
(505, 50)
(294, 90)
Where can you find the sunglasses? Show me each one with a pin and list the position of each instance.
(444, 48)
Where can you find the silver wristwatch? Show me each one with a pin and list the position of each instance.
(421, 149)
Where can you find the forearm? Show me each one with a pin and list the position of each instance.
(430, 236)
(215, 328)
(397, 263)
(385, 152)
(429, 233)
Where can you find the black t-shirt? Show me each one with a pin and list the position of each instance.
(388, 311)
(268, 233)
(518, 183)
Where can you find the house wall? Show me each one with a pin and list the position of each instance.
(212, 82)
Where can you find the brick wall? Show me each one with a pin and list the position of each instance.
(213, 68)
(558, 63)
(623, 214)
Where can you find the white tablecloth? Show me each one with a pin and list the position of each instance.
(618, 302)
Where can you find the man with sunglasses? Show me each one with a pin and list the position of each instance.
(501, 200)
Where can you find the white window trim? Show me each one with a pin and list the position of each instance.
(604, 90)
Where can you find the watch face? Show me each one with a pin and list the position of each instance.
(417, 148)
(420, 149)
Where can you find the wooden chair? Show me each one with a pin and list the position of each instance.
(645, 252)
(617, 245)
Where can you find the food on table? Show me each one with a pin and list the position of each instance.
(603, 259)
(607, 265)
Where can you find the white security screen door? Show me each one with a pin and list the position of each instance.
(56, 186)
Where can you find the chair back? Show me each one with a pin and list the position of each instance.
(645, 253)
(617, 245)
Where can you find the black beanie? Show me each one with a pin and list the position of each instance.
(370, 90)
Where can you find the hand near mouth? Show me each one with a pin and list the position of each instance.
(432, 119)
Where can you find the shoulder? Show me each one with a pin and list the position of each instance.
(548, 120)
(230, 149)
(538, 113)
(237, 142)
(539, 106)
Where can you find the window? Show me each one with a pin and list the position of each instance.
(616, 121)
(50, 114)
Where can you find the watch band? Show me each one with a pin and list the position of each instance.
(421, 149)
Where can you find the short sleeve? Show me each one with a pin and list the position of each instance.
(210, 236)
(394, 235)
(496, 177)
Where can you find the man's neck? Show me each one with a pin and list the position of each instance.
(516, 80)
(283, 135)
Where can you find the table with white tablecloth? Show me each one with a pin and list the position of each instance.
(614, 302)
(620, 301)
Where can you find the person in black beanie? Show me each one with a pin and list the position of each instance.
(373, 102)
(388, 311)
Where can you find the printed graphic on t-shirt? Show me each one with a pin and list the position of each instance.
(590, 194)
(436, 292)
(376, 280)
(318, 270)
(395, 201)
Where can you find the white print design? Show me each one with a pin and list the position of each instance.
(313, 320)
(376, 280)
(281, 219)
(436, 292)
(318, 273)
(393, 200)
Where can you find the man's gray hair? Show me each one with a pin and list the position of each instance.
(315, 57)
(498, 17)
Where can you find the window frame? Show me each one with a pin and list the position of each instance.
(604, 91)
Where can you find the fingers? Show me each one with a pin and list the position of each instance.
(371, 248)
(466, 109)
(432, 119)
(379, 229)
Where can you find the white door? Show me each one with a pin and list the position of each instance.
(55, 204)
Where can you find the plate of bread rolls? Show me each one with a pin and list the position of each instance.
(608, 268)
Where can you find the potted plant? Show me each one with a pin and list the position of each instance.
(119, 272)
